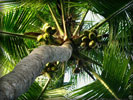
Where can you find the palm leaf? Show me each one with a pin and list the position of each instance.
(35, 90)
(10, 44)
(106, 8)
(114, 77)
(6, 63)
(17, 20)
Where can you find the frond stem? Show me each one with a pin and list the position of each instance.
(63, 18)
(100, 79)
(55, 19)
(105, 85)
(112, 15)
(17, 35)
(78, 27)
(45, 86)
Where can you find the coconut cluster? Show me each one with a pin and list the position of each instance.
(51, 67)
(90, 39)
(48, 32)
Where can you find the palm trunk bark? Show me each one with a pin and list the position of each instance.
(20, 79)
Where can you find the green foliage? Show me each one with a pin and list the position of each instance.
(106, 8)
(113, 78)
(10, 44)
(115, 73)
(5, 63)
(15, 48)
(17, 20)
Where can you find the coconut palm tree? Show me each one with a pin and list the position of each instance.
(102, 50)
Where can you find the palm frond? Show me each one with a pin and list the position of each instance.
(106, 8)
(36, 89)
(115, 74)
(122, 31)
(119, 27)
(17, 20)
(14, 46)
(8, 4)
(6, 63)
(13, 49)
(62, 91)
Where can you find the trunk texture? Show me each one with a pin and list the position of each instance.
(20, 79)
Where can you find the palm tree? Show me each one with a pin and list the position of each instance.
(103, 51)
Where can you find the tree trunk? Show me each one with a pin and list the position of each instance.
(20, 79)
